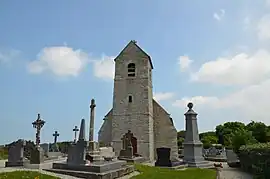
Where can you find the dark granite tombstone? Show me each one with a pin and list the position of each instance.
(163, 157)
(15, 154)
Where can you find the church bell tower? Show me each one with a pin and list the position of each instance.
(133, 100)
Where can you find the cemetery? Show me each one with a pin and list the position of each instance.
(138, 139)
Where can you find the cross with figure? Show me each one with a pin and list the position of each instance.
(75, 130)
(38, 124)
(55, 134)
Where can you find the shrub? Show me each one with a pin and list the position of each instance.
(255, 158)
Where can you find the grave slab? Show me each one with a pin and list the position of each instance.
(112, 174)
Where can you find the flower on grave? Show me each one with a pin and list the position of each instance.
(37, 177)
(218, 165)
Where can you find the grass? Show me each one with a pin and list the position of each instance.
(3, 154)
(147, 172)
(24, 175)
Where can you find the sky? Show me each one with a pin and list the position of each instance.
(55, 56)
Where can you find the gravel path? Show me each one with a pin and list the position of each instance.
(233, 173)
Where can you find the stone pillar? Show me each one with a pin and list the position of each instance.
(93, 151)
(192, 144)
(92, 120)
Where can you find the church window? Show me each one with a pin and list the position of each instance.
(130, 99)
(131, 69)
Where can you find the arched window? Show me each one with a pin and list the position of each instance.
(131, 69)
(130, 99)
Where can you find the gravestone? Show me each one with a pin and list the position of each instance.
(77, 152)
(37, 155)
(163, 157)
(127, 151)
(46, 148)
(55, 147)
(15, 154)
(215, 154)
(77, 165)
(107, 153)
(232, 159)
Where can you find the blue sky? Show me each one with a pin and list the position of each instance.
(57, 55)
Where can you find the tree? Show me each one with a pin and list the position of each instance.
(242, 137)
(227, 129)
(259, 130)
(181, 134)
(209, 133)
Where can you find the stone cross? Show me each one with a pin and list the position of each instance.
(55, 134)
(92, 119)
(38, 124)
(75, 133)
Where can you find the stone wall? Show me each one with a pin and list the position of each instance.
(164, 130)
(105, 132)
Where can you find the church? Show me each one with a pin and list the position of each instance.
(135, 109)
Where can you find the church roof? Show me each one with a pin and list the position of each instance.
(133, 42)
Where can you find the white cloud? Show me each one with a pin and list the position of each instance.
(196, 100)
(263, 27)
(241, 69)
(59, 60)
(251, 102)
(104, 68)
(184, 63)
(163, 96)
(219, 15)
(7, 56)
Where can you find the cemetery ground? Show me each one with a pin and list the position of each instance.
(145, 172)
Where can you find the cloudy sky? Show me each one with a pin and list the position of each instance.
(57, 55)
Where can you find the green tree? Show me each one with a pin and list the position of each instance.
(181, 134)
(242, 137)
(180, 141)
(259, 130)
(227, 129)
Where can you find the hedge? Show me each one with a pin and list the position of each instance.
(255, 158)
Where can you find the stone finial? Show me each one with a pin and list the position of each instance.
(190, 110)
(82, 130)
(190, 105)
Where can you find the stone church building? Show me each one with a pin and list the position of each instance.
(135, 109)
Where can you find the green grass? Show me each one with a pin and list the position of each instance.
(148, 172)
(24, 175)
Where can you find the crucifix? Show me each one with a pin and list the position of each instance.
(75, 133)
(38, 124)
(55, 134)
